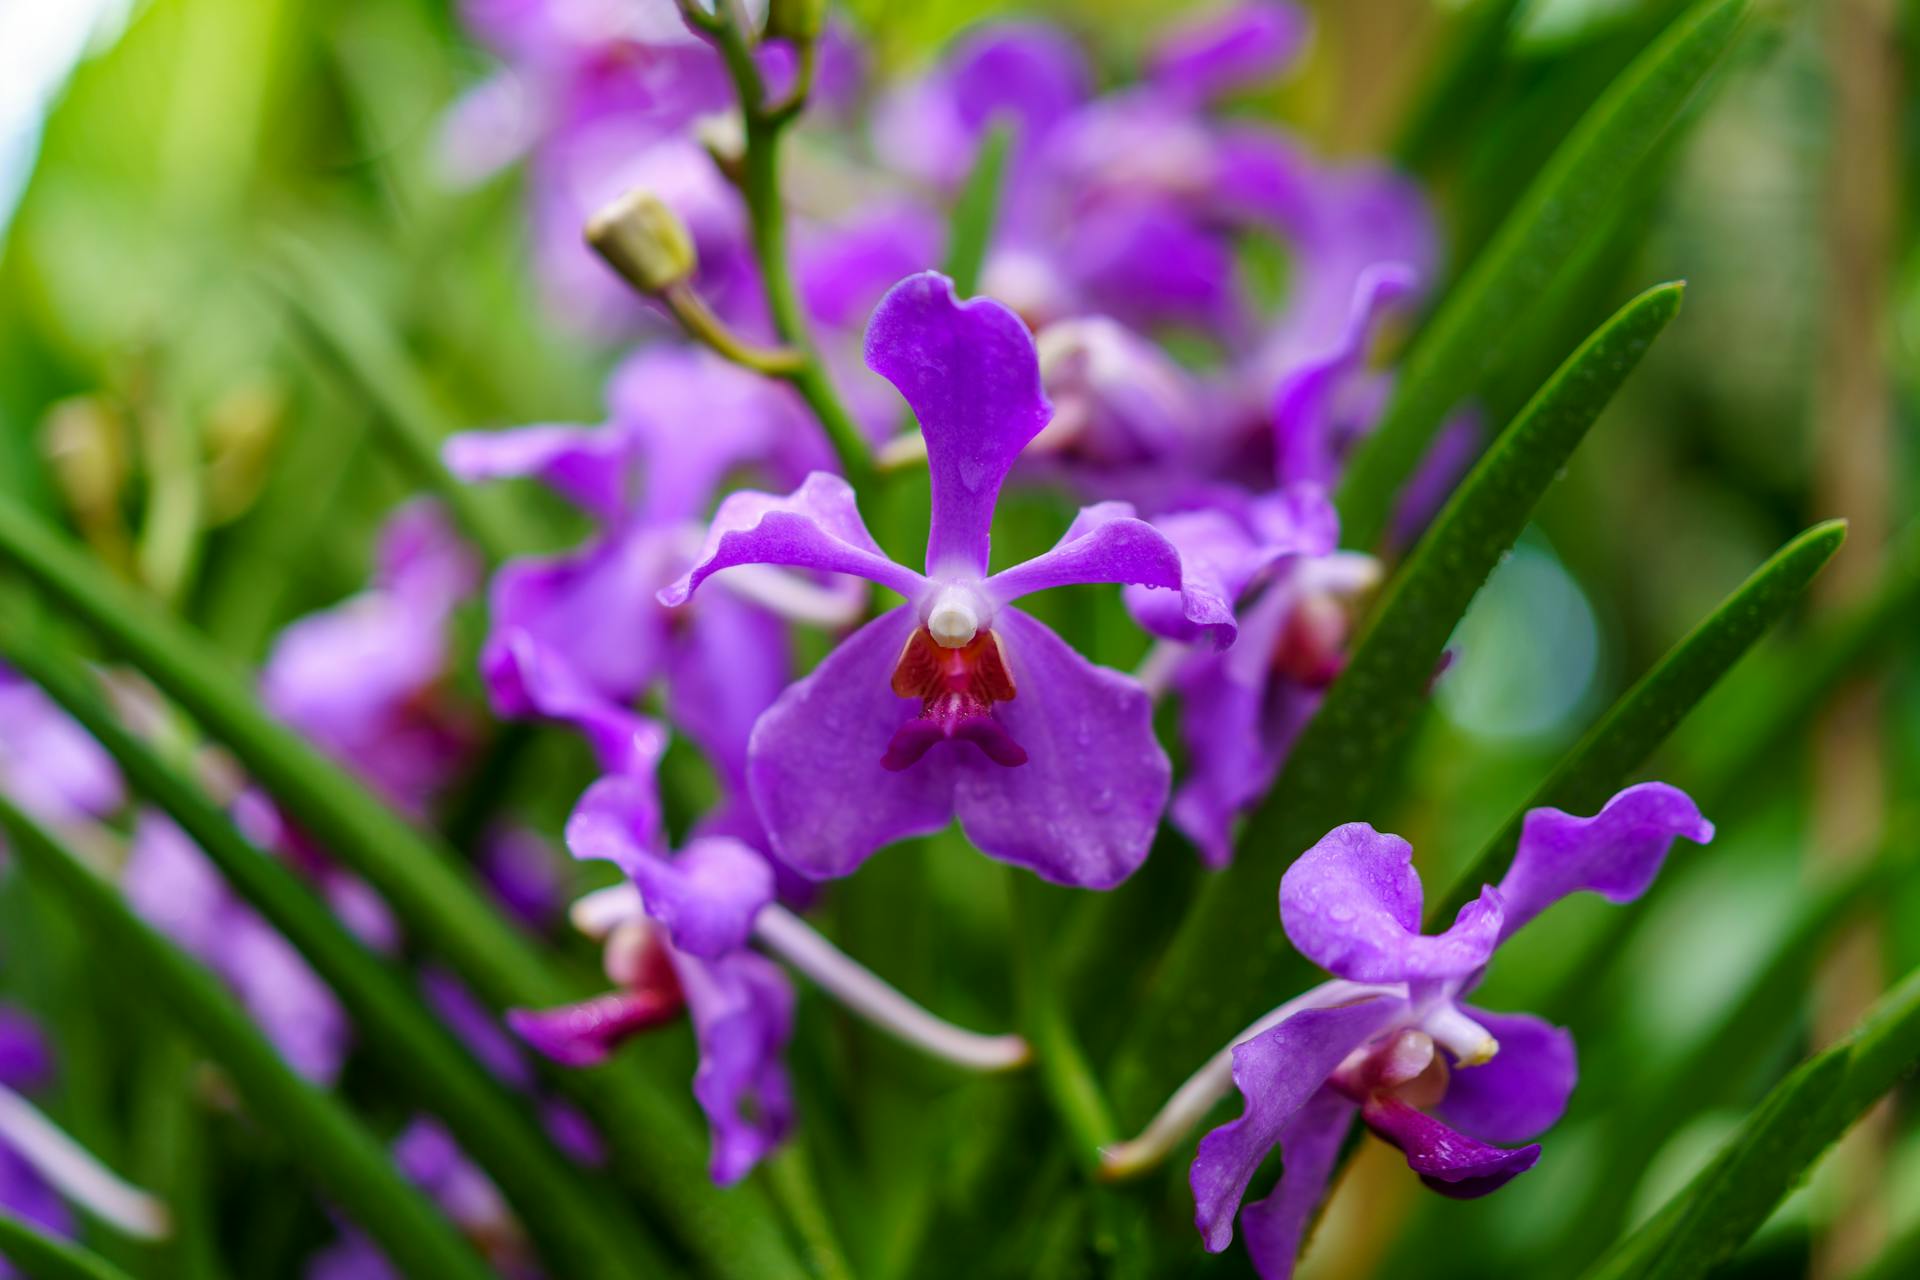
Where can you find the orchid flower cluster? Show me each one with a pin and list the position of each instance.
(726, 532)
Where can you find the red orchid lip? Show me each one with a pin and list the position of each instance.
(957, 689)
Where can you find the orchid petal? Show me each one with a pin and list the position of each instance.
(1229, 49)
(817, 526)
(1449, 1162)
(971, 374)
(1616, 853)
(1277, 1072)
(1274, 1229)
(1522, 1090)
(1084, 808)
(1351, 904)
(813, 763)
(742, 1010)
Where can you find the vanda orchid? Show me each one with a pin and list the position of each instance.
(1389, 1038)
(955, 703)
(690, 637)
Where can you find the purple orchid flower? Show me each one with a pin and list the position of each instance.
(679, 945)
(1228, 48)
(955, 703)
(577, 638)
(1453, 1087)
(173, 886)
(26, 1065)
(602, 97)
(50, 766)
(1273, 559)
(1029, 74)
(364, 680)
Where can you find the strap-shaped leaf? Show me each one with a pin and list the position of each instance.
(970, 230)
(1230, 959)
(42, 1257)
(1766, 706)
(1722, 1061)
(355, 1171)
(555, 1201)
(656, 1147)
(1589, 174)
(1708, 1221)
(1645, 714)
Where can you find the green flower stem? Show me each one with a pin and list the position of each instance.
(356, 1172)
(970, 229)
(766, 214)
(554, 1200)
(41, 1257)
(698, 319)
(655, 1145)
(1066, 1077)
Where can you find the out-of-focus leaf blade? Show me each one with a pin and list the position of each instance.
(554, 1200)
(1458, 82)
(339, 325)
(1774, 1150)
(1230, 961)
(656, 1147)
(357, 1173)
(970, 229)
(41, 1257)
(1570, 199)
(1645, 714)
(1779, 699)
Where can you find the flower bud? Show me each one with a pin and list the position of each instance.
(86, 447)
(797, 20)
(644, 240)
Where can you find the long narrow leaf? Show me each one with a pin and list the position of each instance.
(337, 324)
(1571, 198)
(42, 1257)
(655, 1145)
(354, 1170)
(1229, 960)
(1645, 714)
(554, 1199)
(1775, 1149)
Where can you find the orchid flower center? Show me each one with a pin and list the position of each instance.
(958, 670)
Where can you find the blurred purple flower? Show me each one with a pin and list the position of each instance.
(49, 765)
(170, 882)
(26, 1064)
(1390, 1041)
(1272, 560)
(1229, 47)
(1049, 761)
(579, 637)
(364, 679)
(681, 943)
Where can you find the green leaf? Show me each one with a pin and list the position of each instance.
(1230, 961)
(355, 1171)
(41, 1257)
(555, 1201)
(657, 1149)
(1457, 83)
(1706, 1223)
(1645, 714)
(1721, 1060)
(1771, 703)
(357, 345)
(970, 230)
(1588, 176)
